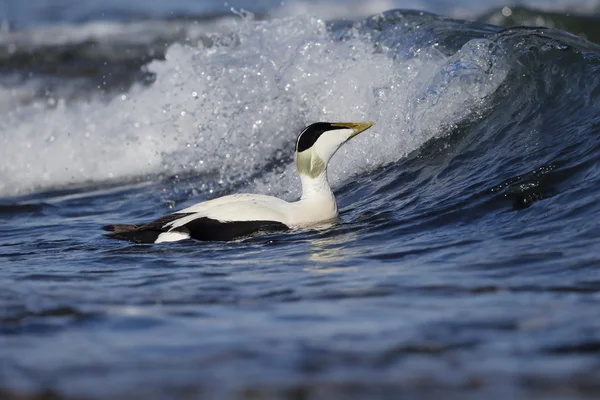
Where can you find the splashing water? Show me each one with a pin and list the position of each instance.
(231, 108)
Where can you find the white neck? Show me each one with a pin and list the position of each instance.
(317, 203)
(316, 189)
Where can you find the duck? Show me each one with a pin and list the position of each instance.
(237, 216)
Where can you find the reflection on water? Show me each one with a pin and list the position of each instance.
(331, 253)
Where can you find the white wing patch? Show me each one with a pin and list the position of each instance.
(268, 201)
(241, 207)
(171, 237)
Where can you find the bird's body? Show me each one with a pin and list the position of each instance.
(238, 215)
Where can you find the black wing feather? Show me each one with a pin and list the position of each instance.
(209, 229)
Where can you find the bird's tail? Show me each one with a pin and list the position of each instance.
(120, 228)
(131, 233)
(147, 233)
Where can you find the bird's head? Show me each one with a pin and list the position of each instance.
(318, 142)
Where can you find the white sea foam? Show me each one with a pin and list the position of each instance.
(232, 108)
(411, 101)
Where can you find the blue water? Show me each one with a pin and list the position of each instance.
(465, 261)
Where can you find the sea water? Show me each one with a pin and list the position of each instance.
(465, 259)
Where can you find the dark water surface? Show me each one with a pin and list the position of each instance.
(465, 263)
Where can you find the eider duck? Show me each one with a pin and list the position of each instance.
(238, 215)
